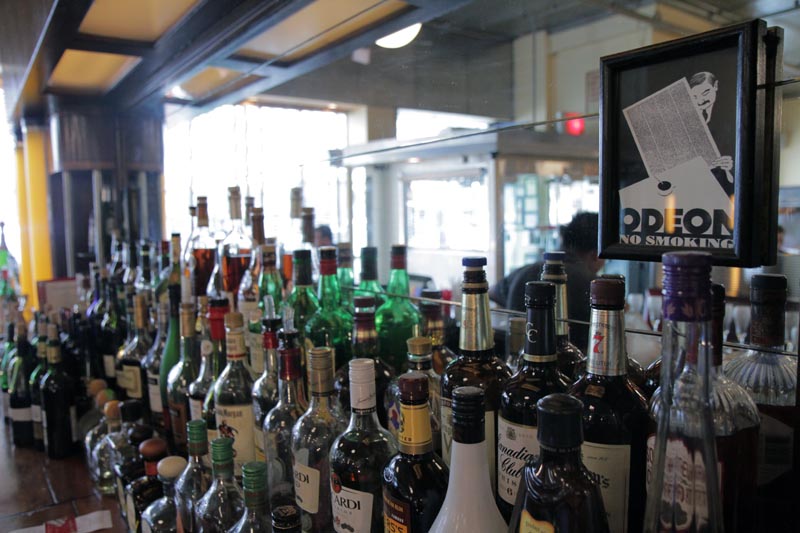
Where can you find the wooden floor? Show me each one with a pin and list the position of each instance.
(35, 489)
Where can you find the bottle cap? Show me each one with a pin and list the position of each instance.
(103, 397)
(607, 293)
(399, 255)
(516, 325)
(345, 254)
(327, 253)
(139, 433)
(95, 386)
(540, 294)
(254, 476)
(171, 467)
(111, 409)
(766, 288)
(433, 294)
(419, 345)
(413, 387)
(473, 262)
(285, 518)
(468, 405)
(613, 276)
(222, 450)
(196, 431)
(153, 449)
(234, 320)
(369, 263)
(302, 255)
(218, 302)
(130, 410)
(559, 421)
(555, 256)
(362, 370)
(687, 286)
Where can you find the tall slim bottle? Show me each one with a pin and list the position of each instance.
(180, 377)
(134, 372)
(270, 281)
(202, 251)
(111, 335)
(477, 364)
(398, 319)
(234, 250)
(217, 309)
(615, 411)
(195, 479)
(34, 383)
(249, 298)
(344, 273)
(368, 284)
(152, 367)
(265, 388)
(172, 349)
(23, 362)
(59, 415)
(536, 377)
(683, 490)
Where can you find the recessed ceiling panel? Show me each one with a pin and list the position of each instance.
(90, 72)
(138, 20)
(318, 25)
(204, 82)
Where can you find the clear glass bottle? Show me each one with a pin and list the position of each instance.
(143, 283)
(202, 251)
(217, 309)
(222, 505)
(97, 432)
(358, 456)
(134, 375)
(302, 300)
(102, 451)
(270, 281)
(557, 492)
(420, 359)
(414, 480)
(433, 326)
(234, 250)
(130, 333)
(312, 436)
(180, 377)
(265, 388)
(469, 503)
(126, 462)
(59, 414)
(344, 273)
(152, 367)
(368, 284)
(144, 490)
(684, 455)
(256, 517)
(248, 289)
(195, 480)
(161, 515)
(398, 319)
(280, 420)
(232, 395)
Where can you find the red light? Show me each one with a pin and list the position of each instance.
(574, 126)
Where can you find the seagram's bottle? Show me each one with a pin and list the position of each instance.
(537, 376)
(477, 364)
(180, 377)
(222, 504)
(398, 319)
(357, 457)
(195, 478)
(614, 412)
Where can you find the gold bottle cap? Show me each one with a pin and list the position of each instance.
(234, 320)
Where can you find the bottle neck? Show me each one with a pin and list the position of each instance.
(291, 391)
(433, 324)
(168, 486)
(419, 364)
(365, 336)
(197, 450)
(398, 283)
(113, 424)
(222, 471)
(235, 347)
(475, 337)
(561, 312)
(362, 406)
(607, 352)
(187, 349)
(255, 501)
(767, 324)
(329, 292)
(540, 336)
(415, 437)
(323, 400)
(567, 458)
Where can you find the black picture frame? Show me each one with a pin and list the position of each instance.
(634, 86)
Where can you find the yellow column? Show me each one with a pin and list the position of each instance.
(41, 264)
(25, 280)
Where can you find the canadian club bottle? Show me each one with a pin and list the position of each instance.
(358, 456)
(571, 360)
(477, 365)
(414, 480)
(615, 415)
(557, 492)
(536, 377)
(59, 416)
(180, 377)
(234, 407)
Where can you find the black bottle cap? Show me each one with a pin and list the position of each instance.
(369, 263)
(608, 293)
(613, 276)
(558, 255)
(559, 422)
(413, 387)
(399, 250)
(469, 415)
(434, 294)
(286, 518)
(540, 294)
(139, 433)
(218, 302)
(768, 289)
(327, 253)
(302, 255)
(131, 410)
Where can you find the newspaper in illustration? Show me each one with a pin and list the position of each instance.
(683, 201)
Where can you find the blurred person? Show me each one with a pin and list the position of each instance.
(323, 236)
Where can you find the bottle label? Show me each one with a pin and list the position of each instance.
(516, 444)
(491, 438)
(133, 380)
(73, 423)
(177, 412)
(392, 414)
(120, 377)
(775, 448)
(110, 365)
(36, 416)
(609, 465)
(195, 409)
(234, 342)
(528, 524)
(154, 392)
(20, 414)
(352, 509)
(415, 428)
(306, 485)
(131, 513)
(362, 396)
(236, 422)
(396, 514)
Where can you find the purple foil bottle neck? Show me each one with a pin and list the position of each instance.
(687, 286)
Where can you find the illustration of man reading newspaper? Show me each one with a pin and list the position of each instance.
(687, 199)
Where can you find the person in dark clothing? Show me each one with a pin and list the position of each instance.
(323, 236)
(579, 239)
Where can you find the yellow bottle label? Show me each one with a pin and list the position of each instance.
(415, 425)
(529, 524)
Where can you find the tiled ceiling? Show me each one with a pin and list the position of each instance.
(137, 20)
(90, 72)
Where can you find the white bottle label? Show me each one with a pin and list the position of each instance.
(256, 344)
(109, 365)
(352, 509)
(21, 414)
(236, 422)
(775, 448)
(195, 409)
(610, 465)
(133, 381)
(306, 486)
(491, 438)
(73, 423)
(154, 392)
(516, 444)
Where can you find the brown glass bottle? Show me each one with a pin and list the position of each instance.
(615, 416)
(433, 327)
(571, 360)
(557, 492)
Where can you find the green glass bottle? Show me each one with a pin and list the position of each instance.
(398, 319)
(180, 377)
(302, 299)
(344, 273)
(369, 284)
(172, 350)
(34, 384)
(270, 281)
(331, 325)
(217, 309)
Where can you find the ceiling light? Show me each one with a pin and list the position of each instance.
(400, 38)
(332, 106)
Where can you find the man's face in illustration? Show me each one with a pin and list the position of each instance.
(705, 95)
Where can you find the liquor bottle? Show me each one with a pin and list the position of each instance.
(130, 334)
(302, 300)
(94, 318)
(59, 417)
(112, 334)
(129, 275)
(202, 251)
(234, 250)
(398, 319)
(23, 362)
(684, 455)
(172, 347)
(308, 238)
(205, 376)
(265, 388)
(92, 426)
(161, 515)
(270, 282)
(248, 297)
(152, 366)
(134, 373)
(344, 274)
(195, 480)
(615, 415)
(8, 348)
(143, 283)
(278, 424)
(256, 515)
(180, 377)
(232, 391)
(101, 456)
(636, 373)
(558, 493)
(358, 456)
(420, 360)
(331, 325)
(368, 282)
(125, 461)
(286, 519)
(477, 365)
(34, 383)
(469, 502)
(433, 327)
(217, 309)
(143, 491)
(571, 360)
(312, 436)
(515, 342)
(222, 504)
(537, 376)
(414, 480)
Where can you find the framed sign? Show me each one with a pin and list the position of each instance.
(688, 147)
